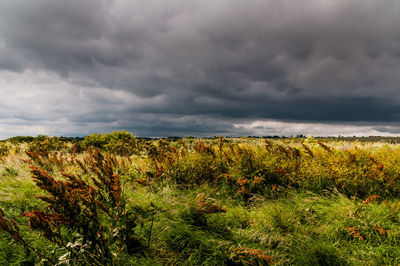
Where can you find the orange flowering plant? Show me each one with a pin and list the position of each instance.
(86, 218)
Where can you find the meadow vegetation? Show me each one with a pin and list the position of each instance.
(114, 199)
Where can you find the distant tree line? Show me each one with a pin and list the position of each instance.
(124, 137)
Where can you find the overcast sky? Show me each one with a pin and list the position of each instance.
(203, 68)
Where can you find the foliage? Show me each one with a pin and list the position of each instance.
(119, 142)
(4, 149)
(85, 218)
(215, 201)
(247, 256)
(44, 144)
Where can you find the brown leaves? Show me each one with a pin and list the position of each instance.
(106, 180)
(75, 205)
(371, 199)
(206, 206)
(307, 150)
(73, 201)
(47, 223)
(248, 256)
(248, 186)
(11, 227)
(203, 148)
(45, 181)
(143, 181)
(355, 232)
(379, 229)
(325, 147)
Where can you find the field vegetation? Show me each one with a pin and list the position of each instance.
(114, 199)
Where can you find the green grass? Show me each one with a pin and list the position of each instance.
(306, 224)
(300, 228)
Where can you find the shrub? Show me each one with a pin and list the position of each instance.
(118, 142)
(94, 140)
(4, 149)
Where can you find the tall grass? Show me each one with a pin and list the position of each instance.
(200, 202)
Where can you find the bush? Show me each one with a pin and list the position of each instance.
(4, 149)
(44, 144)
(118, 142)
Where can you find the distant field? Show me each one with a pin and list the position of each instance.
(119, 200)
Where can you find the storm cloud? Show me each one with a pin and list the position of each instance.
(229, 67)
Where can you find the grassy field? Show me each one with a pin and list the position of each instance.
(220, 201)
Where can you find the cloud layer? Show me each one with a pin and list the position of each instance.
(199, 68)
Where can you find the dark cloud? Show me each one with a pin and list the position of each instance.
(173, 67)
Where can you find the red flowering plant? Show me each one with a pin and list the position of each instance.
(248, 256)
(249, 186)
(86, 217)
